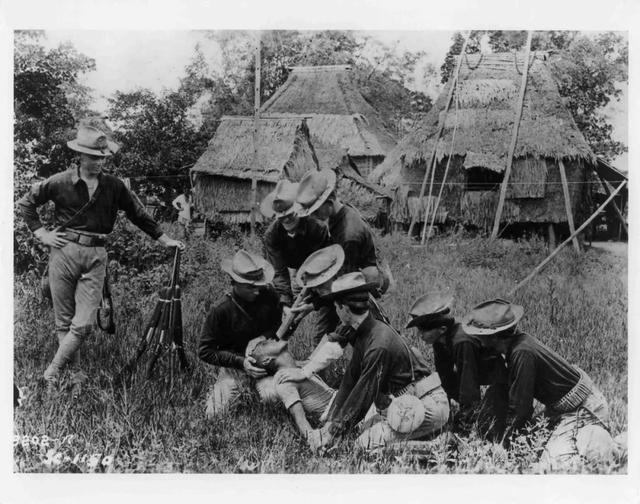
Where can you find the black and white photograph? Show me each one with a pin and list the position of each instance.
(271, 248)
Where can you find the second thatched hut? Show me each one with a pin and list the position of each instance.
(475, 142)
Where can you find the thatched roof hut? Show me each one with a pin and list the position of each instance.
(477, 132)
(338, 116)
(223, 174)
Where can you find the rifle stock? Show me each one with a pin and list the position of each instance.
(287, 324)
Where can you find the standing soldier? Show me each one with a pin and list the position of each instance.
(317, 198)
(252, 309)
(463, 364)
(578, 410)
(289, 239)
(86, 201)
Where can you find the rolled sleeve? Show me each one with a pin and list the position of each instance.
(29, 203)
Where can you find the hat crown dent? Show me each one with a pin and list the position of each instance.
(312, 186)
(247, 265)
(492, 314)
(285, 195)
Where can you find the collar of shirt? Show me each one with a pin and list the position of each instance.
(359, 319)
(75, 176)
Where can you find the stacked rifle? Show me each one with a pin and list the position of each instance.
(163, 333)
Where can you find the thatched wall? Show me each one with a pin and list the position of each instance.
(218, 196)
(528, 200)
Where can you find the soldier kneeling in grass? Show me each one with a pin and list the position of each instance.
(463, 365)
(383, 368)
(250, 310)
(578, 410)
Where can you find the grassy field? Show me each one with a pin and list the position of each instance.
(578, 306)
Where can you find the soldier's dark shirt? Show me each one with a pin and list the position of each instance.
(380, 365)
(535, 371)
(233, 322)
(284, 251)
(69, 193)
(348, 229)
(463, 365)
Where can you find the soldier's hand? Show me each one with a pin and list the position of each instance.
(252, 370)
(286, 311)
(54, 238)
(289, 374)
(303, 309)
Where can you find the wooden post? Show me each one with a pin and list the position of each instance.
(615, 206)
(551, 234)
(432, 158)
(539, 267)
(567, 204)
(514, 138)
(256, 125)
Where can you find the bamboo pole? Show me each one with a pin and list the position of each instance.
(256, 125)
(567, 204)
(615, 206)
(539, 267)
(514, 138)
(432, 158)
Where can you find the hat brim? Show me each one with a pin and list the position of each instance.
(331, 186)
(111, 149)
(518, 312)
(227, 266)
(416, 321)
(267, 211)
(367, 287)
(325, 276)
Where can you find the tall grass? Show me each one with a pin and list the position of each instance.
(577, 306)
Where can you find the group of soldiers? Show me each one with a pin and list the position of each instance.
(321, 260)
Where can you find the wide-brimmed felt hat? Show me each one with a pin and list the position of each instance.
(248, 268)
(314, 189)
(492, 317)
(351, 285)
(90, 140)
(428, 307)
(321, 266)
(281, 201)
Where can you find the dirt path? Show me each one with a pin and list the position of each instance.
(617, 248)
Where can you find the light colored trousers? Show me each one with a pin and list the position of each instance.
(229, 385)
(377, 433)
(580, 435)
(76, 275)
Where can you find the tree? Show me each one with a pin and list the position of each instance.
(473, 46)
(381, 73)
(158, 142)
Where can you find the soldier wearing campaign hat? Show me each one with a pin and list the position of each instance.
(578, 411)
(289, 239)
(250, 310)
(463, 364)
(383, 368)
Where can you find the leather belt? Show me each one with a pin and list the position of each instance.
(86, 240)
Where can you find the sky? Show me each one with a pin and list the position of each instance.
(155, 59)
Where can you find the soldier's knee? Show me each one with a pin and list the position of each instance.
(83, 331)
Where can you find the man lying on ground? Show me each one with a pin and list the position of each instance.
(308, 397)
(463, 365)
(383, 367)
(577, 409)
(250, 310)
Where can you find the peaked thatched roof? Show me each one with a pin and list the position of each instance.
(487, 97)
(283, 147)
(338, 113)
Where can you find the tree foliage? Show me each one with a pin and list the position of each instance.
(381, 72)
(585, 67)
